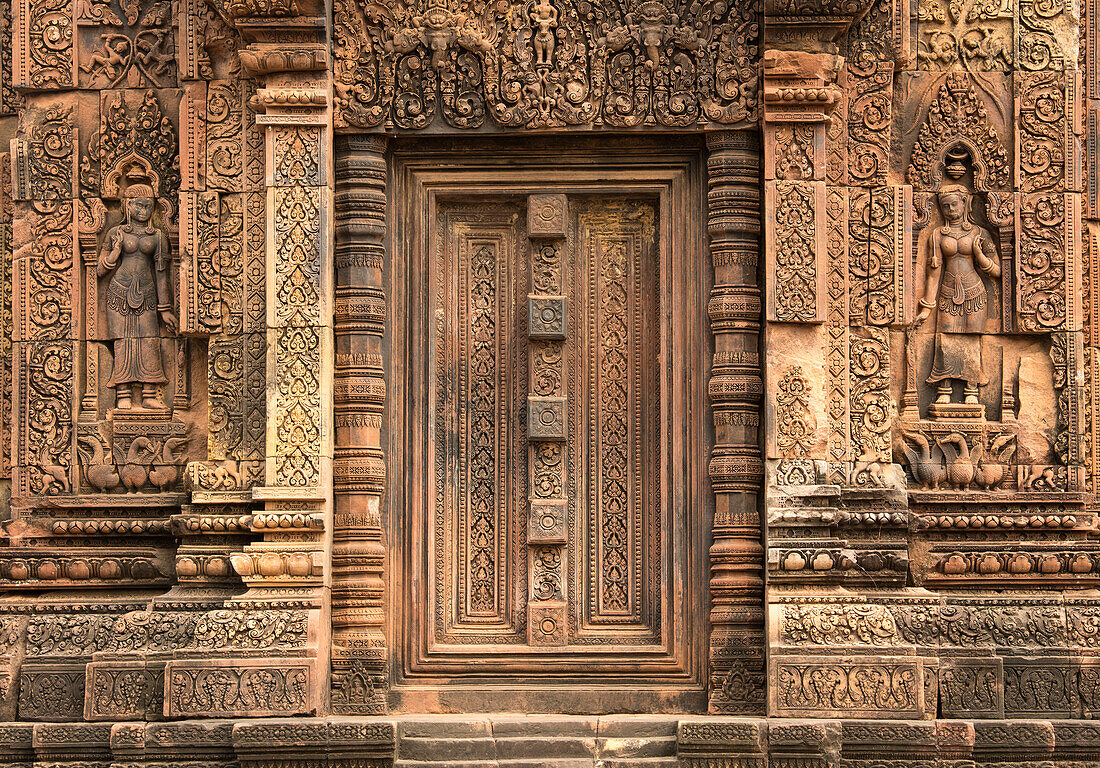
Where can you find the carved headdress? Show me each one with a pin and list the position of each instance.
(139, 191)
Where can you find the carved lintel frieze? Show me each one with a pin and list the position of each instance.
(240, 688)
(235, 10)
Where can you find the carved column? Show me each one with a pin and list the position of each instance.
(736, 388)
(358, 643)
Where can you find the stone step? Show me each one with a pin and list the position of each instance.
(450, 750)
(540, 763)
(536, 741)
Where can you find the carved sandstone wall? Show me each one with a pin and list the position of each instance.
(879, 464)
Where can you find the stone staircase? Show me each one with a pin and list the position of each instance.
(536, 741)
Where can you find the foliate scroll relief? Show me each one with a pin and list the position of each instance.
(551, 63)
(795, 424)
(43, 44)
(1046, 35)
(44, 253)
(796, 252)
(10, 99)
(869, 112)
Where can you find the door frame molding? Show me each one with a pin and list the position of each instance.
(675, 175)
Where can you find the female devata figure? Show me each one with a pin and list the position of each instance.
(958, 251)
(136, 255)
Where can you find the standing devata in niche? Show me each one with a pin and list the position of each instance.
(958, 251)
(135, 254)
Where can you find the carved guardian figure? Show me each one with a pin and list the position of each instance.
(958, 252)
(135, 255)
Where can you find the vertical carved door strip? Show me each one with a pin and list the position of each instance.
(554, 501)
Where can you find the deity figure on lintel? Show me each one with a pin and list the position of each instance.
(958, 253)
(135, 254)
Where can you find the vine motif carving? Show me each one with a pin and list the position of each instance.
(546, 270)
(869, 115)
(224, 136)
(796, 426)
(42, 155)
(870, 403)
(868, 687)
(555, 63)
(547, 369)
(482, 551)
(49, 43)
(10, 99)
(1041, 262)
(547, 574)
(1038, 23)
(45, 364)
(1041, 99)
(877, 37)
(547, 473)
(796, 269)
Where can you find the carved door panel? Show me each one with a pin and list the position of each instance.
(539, 543)
(544, 408)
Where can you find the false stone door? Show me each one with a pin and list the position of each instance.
(549, 492)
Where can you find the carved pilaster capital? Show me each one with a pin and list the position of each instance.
(800, 86)
(810, 25)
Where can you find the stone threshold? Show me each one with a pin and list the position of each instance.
(552, 741)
